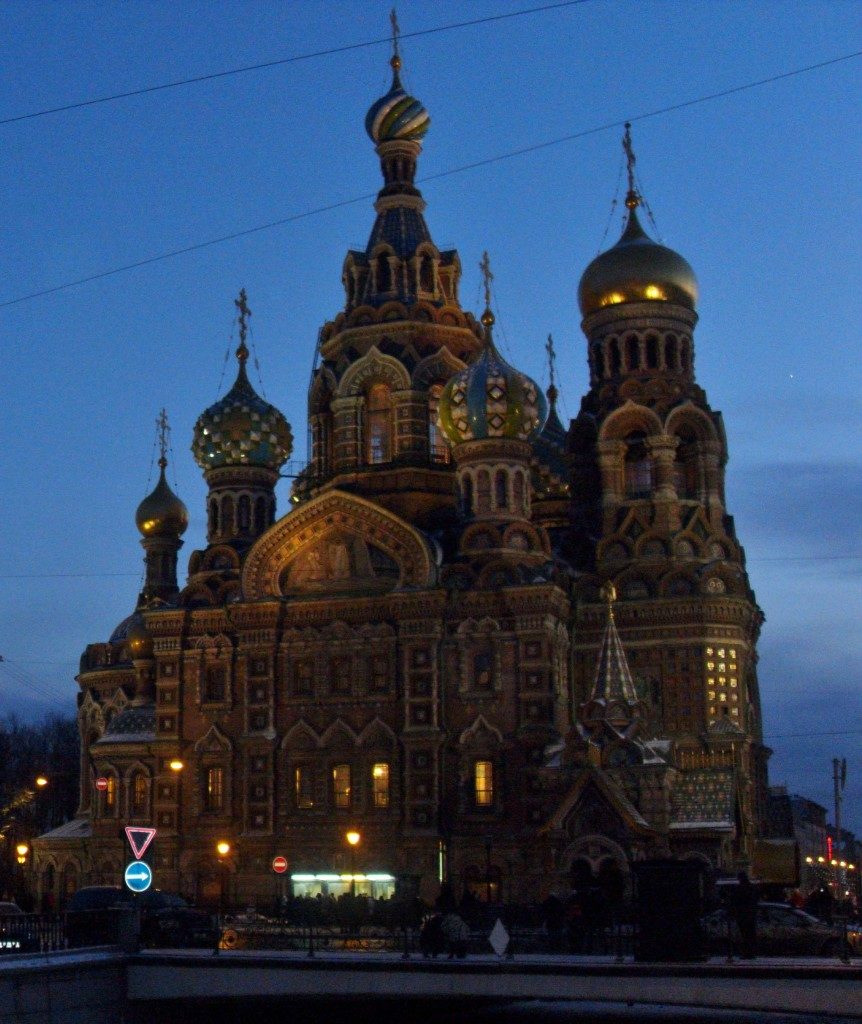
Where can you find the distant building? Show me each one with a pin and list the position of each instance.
(509, 654)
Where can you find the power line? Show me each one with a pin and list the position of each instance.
(289, 60)
(431, 177)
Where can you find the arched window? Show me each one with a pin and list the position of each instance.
(685, 355)
(109, 796)
(519, 492)
(483, 783)
(483, 491)
(378, 421)
(501, 490)
(380, 784)
(426, 274)
(652, 352)
(384, 274)
(213, 517)
(638, 468)
(341, 789)
(598, 361)
(467, 497)
(260, 515)
(685, 465)
(244, 513)
(227, 525)
(438, 449)
(633, 352)
(214, 790)
(614, 349)
(671, 353)
(139, 794)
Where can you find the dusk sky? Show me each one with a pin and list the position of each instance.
(759, 190)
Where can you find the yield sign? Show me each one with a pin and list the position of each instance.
(139, 839)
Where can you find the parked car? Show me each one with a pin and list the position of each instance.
(782, 930)
(17, 931)
(166, 917)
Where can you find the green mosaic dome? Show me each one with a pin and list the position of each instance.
(491, 399)
(242, 429)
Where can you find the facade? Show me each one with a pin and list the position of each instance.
(507, 653)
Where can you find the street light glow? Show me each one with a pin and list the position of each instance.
(41, 781)
(223, 848)
(353, 838)
(176, 765)
(22, 849)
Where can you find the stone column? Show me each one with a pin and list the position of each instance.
(611, 454)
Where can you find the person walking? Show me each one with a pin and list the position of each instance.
(744, 906)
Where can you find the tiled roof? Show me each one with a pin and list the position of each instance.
(131, 726)
(703, 798)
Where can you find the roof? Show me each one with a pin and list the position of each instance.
(131, 726)
(77, 828)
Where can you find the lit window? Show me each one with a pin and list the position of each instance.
(710, 665)
(378, 421)
(438, 449)
(722, 696)
(483, 775)
(734, 711)
(139, 795)
(732, 681)
(341, 785)
(380, 784)
(303, 782)
(214, 795)
(110, 794)
(732, 654)
(721, 652)
(709, 650)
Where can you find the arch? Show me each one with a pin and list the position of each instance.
(697, 420)
(244, 513)
(436, 368)
(629, 418)
(427, 274)
(338, 736)
(632, 352)
(323, 387)
(652, 353)
(501, 490)
(637, 466)
(592, 849)
(305, 526)
(213, 517)
(438, 446)
(300, 736)
(213, 741)
(377, 734)
(519, 491)
(383, 276)
(480, 731)
(374, 366)
(483, 492)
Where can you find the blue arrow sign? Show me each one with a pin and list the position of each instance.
(139, 877)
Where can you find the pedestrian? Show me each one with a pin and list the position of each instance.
(744, 905)
(456, 933)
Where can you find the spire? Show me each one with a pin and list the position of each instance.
(613, 681)
(487, 317)
(552, 362)
(633, 198)
(244, 313)
(395, 62)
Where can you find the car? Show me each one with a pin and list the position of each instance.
(18, 933)
(166, 917)
(782, 930)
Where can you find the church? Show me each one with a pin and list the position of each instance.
(481, 647)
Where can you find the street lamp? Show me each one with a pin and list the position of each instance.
(222, 849)
(22, 849)
(353, 839)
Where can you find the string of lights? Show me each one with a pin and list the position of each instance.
(463, 168)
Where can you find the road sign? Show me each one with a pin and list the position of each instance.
(139, 839)
(279, 865)
(101, 784)
(138, 876)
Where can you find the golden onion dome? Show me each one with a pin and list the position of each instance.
(636, 269)
(162, 514)
(138, 639)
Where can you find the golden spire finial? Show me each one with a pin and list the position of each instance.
(633, 198)
(608, 594)
(395, 62)
(244, 313)
(485, 267)
(164, 434)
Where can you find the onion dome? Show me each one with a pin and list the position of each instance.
(396, 116)
(637, 269)
(139, 640)
(490, 399)
(242, 429)
(162, 513)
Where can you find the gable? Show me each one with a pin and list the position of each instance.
(337, 544)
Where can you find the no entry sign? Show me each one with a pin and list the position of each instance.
(279, 865)
(101, 784)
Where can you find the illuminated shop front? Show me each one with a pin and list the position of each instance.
(377, 886)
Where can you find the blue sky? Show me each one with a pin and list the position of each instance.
(759, 191)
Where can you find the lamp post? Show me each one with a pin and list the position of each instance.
(222, 849)
(353, 839)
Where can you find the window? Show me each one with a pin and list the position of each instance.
(341, 786)
(438, 449)
(110, 796)
(139, 795)
(214, 683)
(380, 784)
(378, 421)
(244, 513)
(685, 465)
(638, 469)
(483, 783)
(501, 495)
(214, 794)
(303, 786)
(426, 274)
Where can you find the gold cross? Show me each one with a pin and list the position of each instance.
(485, 267)
(244, 313)
(396, 31)
(552, 356)
(164, 433)
(632, 199)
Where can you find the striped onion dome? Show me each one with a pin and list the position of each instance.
(396, 116)
(491, 399)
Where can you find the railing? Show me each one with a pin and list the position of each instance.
(47, 933)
